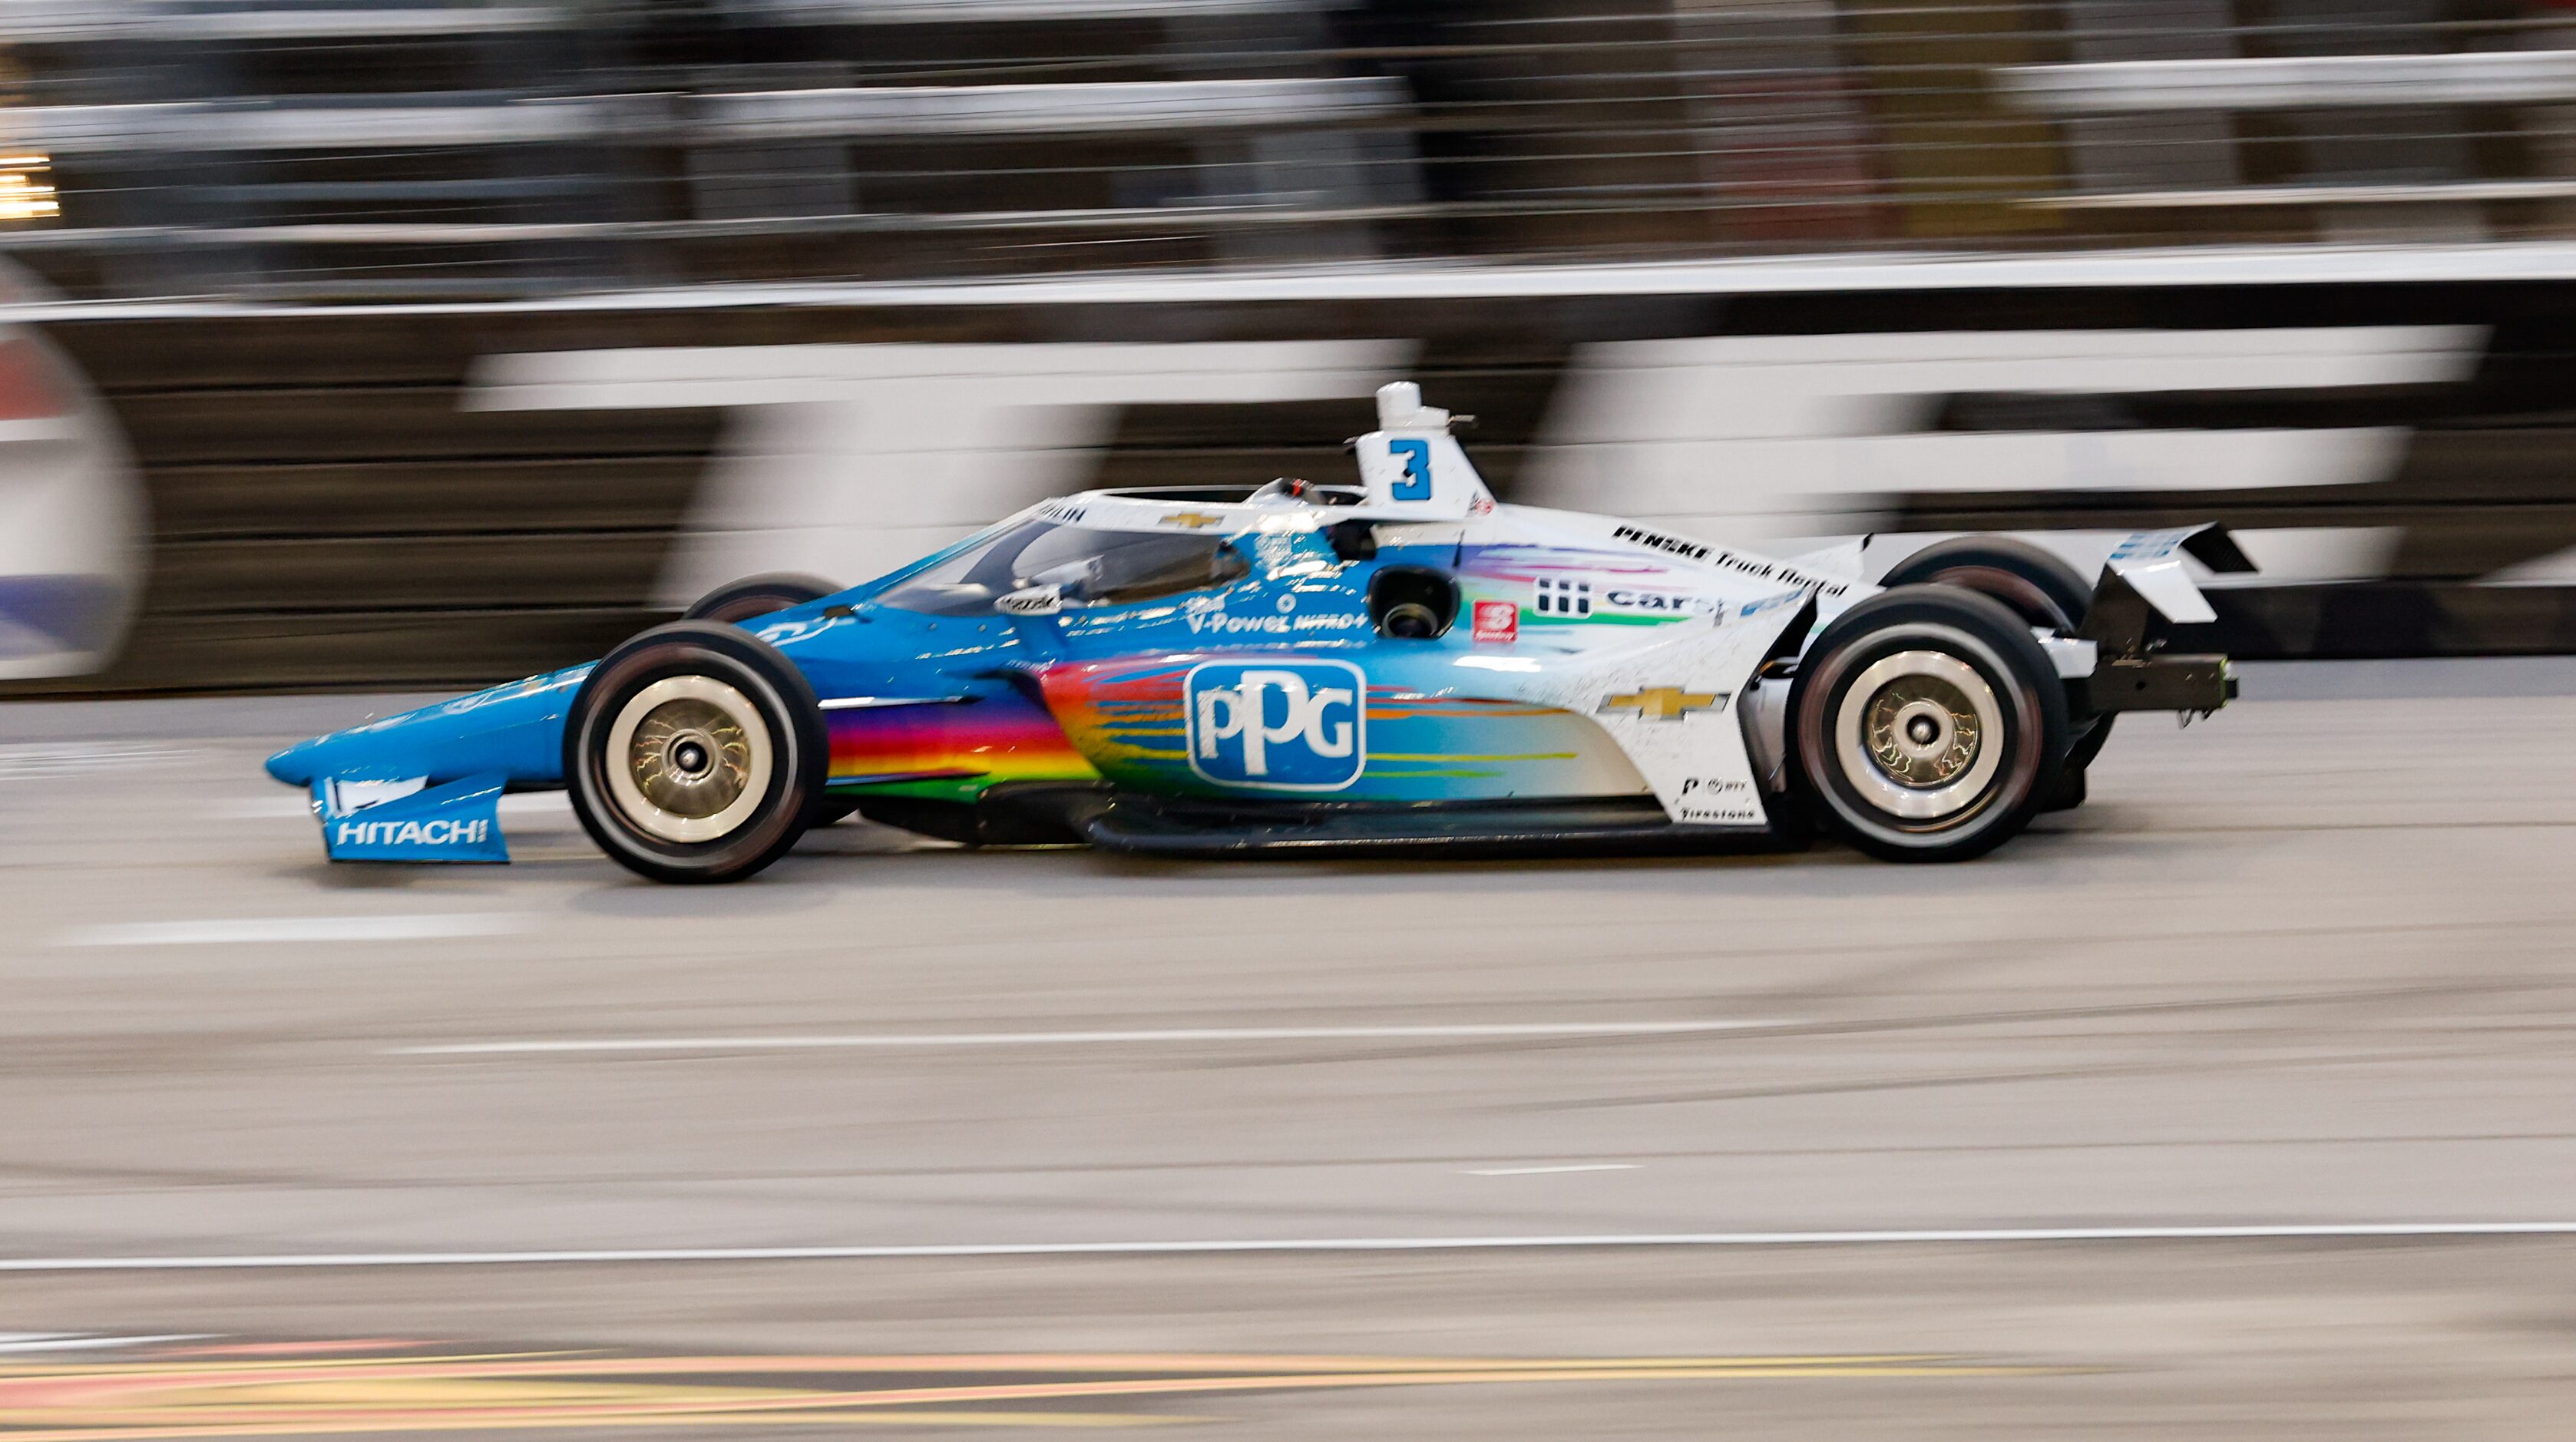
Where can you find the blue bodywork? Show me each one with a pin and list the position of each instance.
(514, 731)
(850, 644)
(1276, 685)
(1170, 647)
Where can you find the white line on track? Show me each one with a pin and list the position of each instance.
(1974, 1236)
(46, 760)
(1551, 1171)
(233, 931)
(1087, 1038)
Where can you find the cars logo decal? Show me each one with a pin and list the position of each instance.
(1277, 725)
(1667, 602)
(1563, 597)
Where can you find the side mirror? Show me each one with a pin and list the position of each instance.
(1033, 601)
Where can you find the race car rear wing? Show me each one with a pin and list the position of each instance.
(2144, 579)
(2152, 564)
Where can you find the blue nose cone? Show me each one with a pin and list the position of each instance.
(516, 730)
(383, 749)
(360, 752)
(294, 765)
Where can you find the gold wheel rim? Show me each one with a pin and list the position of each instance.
(690, 758)
(1922, 731)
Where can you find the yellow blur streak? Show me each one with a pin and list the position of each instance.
(24, 192)
(564, 1363)
(437, 1424)
(506, 1391)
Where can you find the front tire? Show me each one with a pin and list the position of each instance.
(694, 753)
(1927, 725)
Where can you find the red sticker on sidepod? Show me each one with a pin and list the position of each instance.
(1498, 621)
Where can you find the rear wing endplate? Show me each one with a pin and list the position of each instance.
(2151, 565)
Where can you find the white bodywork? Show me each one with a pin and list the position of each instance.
(1672, 630)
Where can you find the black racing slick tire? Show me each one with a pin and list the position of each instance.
(2039, 586)
(2043, 589)
(695, 753)
(1926, 725)
(756, 596)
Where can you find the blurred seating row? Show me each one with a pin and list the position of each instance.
(370, 147)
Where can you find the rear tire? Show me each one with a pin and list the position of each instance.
(756, 596)
(2039, 586)
(694, 753)
(1927, 725)
(2042, 588)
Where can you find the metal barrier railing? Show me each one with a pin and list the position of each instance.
(395, 146)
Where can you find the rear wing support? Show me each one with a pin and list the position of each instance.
(2130, 673)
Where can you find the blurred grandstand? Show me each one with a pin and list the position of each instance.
(375, 148)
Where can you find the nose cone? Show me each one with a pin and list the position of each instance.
(377, 750)
(359, 752)
(515, 729)
(295, 765)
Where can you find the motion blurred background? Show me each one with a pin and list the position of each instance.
(348, 149)
(379, 348)
(418, 342)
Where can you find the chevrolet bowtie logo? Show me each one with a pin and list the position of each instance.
(1664, 703)
(1195, 520)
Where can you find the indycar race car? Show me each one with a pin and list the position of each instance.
(1309, 669)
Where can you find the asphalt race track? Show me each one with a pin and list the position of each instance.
(2235, 1104)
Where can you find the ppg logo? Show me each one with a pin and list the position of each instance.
(1278, 725)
